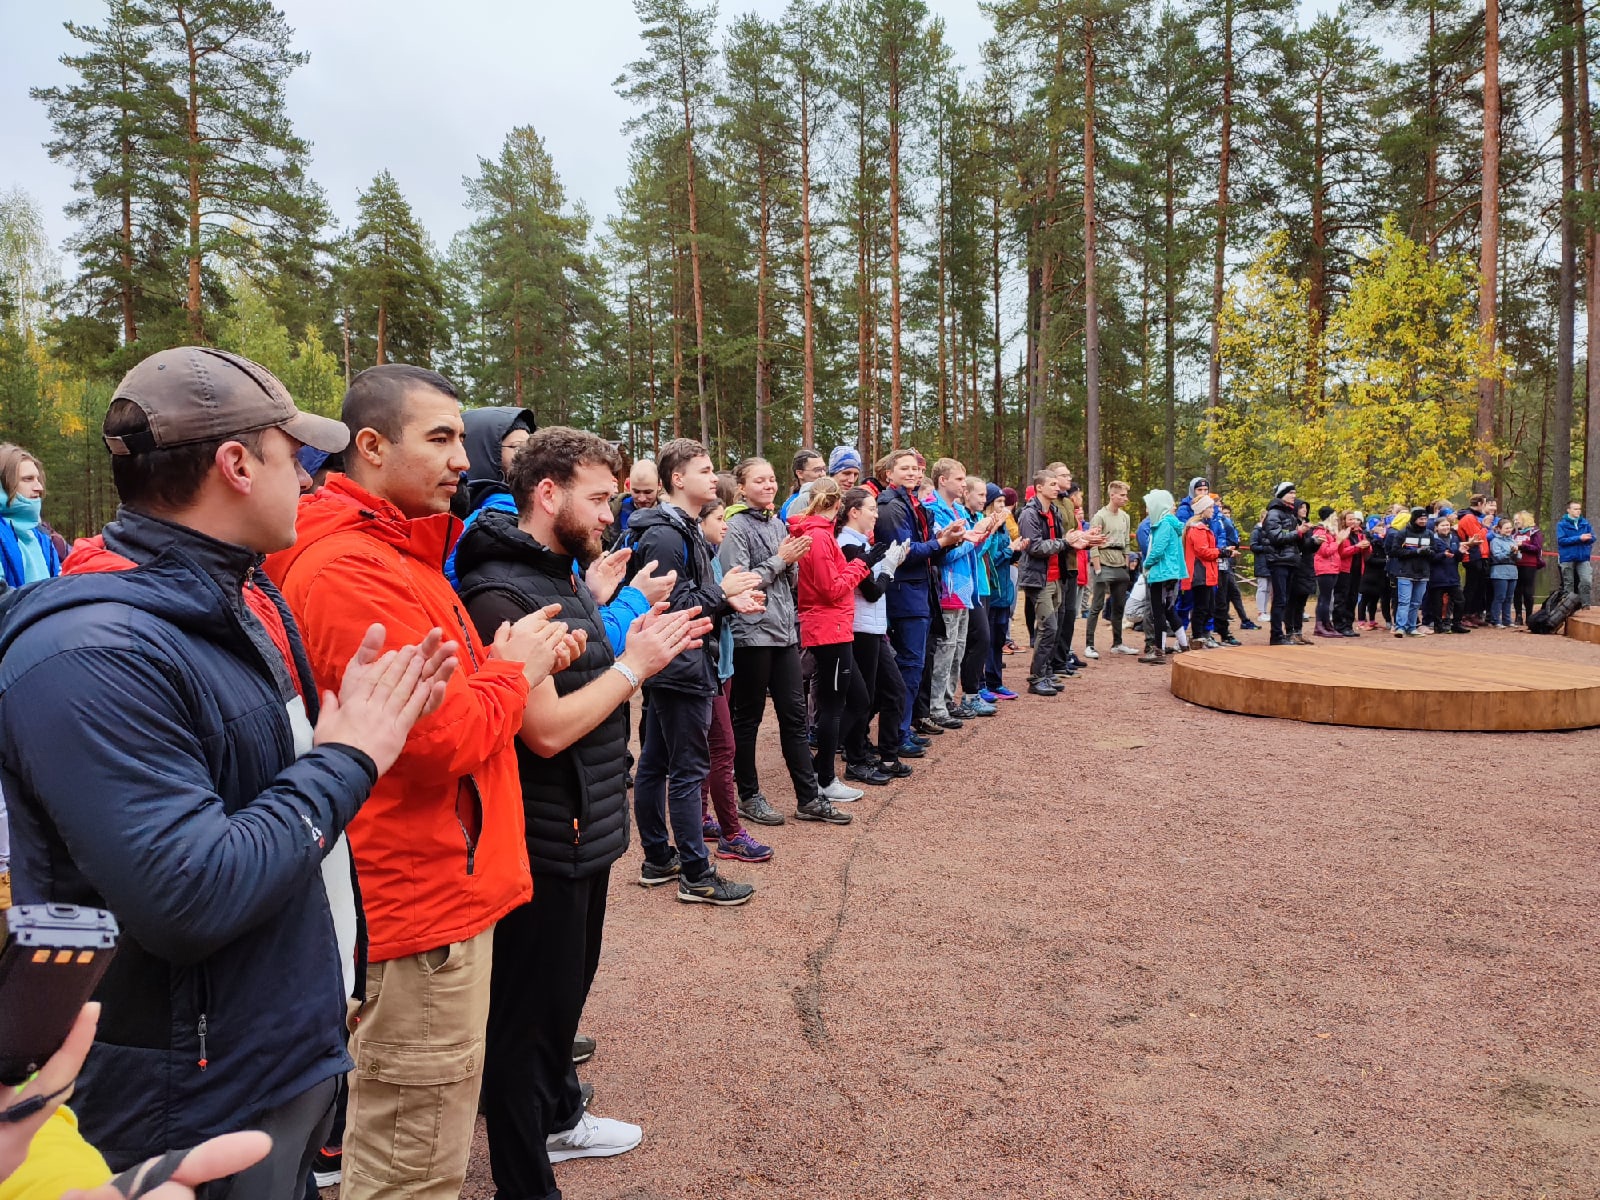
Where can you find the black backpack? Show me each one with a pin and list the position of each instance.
(1553, 613)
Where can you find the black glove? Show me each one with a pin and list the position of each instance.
(875, 555)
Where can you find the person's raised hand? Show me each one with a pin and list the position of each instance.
(377, 704)
(534, 641)
(792, 549)
(739, 581)
(1019, 543)
(604, 574)
(951, 533)
(570, 650)
(655, 588)
(657, 637)
(748, 602)
(896, 554)
(46, 1091)
(209, 1161)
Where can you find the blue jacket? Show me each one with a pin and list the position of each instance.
(1568, 547)
(1142, 536)
(11, 555)
(1445, 571)
(997, 550)
(957, 574)
(901, 518)
(148, 759)
(1165, 562)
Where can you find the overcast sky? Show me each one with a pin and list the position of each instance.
(421, 87)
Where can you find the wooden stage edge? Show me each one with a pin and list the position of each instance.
(1585, 625)
(1402, 689)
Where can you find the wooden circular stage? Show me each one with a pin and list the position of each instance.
(1382, 687)
(1585, 625)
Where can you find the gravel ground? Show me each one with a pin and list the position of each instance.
(1114, 945)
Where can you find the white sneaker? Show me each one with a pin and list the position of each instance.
(841, 793)
(1123, 648)
(1090, 652)
(593, 1137)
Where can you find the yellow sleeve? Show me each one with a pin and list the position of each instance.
(59, 1160)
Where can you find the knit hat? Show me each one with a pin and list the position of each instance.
(1282, 490)
(1196, 482)
(991, 493)
(843, 458)
(1324, 512)
(1011, 496)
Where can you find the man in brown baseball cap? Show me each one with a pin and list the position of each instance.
(196, 394)
(164, 755)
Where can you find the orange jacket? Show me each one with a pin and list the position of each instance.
(439, 846)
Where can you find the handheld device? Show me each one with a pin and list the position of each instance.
(54, 958)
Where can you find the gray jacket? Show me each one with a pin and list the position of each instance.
(752, 542)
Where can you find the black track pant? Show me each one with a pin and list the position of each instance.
(760, 671)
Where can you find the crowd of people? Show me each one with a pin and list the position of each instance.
(337, 718)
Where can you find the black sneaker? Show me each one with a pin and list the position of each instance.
(865, 773)
(327, 1169)
(949, 722)
(582, 1049)
(1043, 687)
(895, 769)
(755, 808)
(712, 888)
(928, 727)
(821, 810)
(651, 875)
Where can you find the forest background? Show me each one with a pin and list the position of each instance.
(1355, 249)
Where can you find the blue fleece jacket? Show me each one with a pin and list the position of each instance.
(1569, 546)
(956, 572)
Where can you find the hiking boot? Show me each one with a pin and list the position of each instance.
(710, 888)
(841, 793)
(583, 1049)
(911, 750)
(593, 1137)
(652, 875)
(1300, 639)
(1090, 652)
(894, 769)
(927, 727)
(755, 808)
(948, 722)
(1156, 657)
(820, 810)
(741, 847)
(1043, 687)
(866, 773)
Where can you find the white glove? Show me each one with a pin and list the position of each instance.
(896, 554)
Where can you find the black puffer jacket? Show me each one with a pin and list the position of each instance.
(1279, 530)
(672, 540)
(575, 803)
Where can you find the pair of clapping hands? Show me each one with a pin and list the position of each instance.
(741, 587)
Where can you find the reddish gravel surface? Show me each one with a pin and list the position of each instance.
(1114, 945)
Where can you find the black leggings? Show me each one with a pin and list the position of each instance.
(835, 670)
(1327, 585)
(1162, 617)
(976, 655)
(758, 671)
(1522, 598)
(875, 687)
(1200, 598)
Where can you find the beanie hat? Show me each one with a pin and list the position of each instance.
(1011, 496)
(1282, 490)
(1196, 482)
(1324, 512)
(991, 493)
(843, 458)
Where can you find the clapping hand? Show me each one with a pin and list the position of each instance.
(793, 549)
(747, 602)
(605, 574)
(895, 555)
(383, 695)
(657, 637)
(536, 641)
(655, 588)
(738, 581)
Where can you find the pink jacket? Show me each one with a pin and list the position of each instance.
(1327, 560)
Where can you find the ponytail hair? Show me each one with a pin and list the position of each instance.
(824, 495)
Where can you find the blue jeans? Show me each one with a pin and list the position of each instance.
(1500, 603)
(1412, 592)
(909, 637)
(674, 761)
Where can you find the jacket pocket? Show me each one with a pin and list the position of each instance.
(469, 815)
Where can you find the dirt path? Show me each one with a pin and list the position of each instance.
(1113, 945)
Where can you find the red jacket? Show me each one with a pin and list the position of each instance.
(1200, 545)
(1352, 548)
(439, 846)
(827, 585)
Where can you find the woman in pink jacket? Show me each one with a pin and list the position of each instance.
(827, 607)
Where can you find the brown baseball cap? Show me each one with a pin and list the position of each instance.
(198, 394)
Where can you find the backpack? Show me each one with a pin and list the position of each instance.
(1553, 613)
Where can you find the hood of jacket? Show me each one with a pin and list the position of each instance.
(485, 429)
(1158, 503)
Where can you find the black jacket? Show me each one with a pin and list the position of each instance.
(1279, 534)
(575, 803)
(1033, 523)
(148, 760)
(1412, 551)
(664, 534)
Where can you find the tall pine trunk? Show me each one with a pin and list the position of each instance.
(894, 243)
(763, 353)
(864, 395)
(1317, 287)
(1489, 257)
(1566, 300)
(808, 431)
(193, 149)
(1219, 265)
(998, 346)
(694, 257)
(1591, 241)
(1091, 299)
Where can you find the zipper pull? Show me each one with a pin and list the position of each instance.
(574, 831)
(201, 1029)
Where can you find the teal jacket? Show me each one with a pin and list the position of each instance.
(1165, 561)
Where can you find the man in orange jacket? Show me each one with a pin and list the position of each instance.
(439, 847)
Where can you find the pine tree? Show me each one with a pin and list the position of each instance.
(390, 281)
